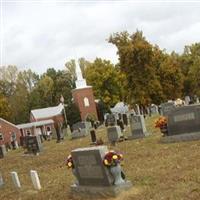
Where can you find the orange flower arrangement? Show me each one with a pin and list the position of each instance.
(161, 122)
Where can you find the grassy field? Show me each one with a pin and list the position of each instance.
(158, 171)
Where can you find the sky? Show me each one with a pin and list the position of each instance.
(40, 34)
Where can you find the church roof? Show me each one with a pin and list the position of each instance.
(47, 112)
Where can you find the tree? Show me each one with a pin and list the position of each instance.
(105, 79)
(190, 63)
(171, 77)
(136, 58)
(5, 110)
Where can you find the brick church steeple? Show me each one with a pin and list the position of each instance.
(83, 96)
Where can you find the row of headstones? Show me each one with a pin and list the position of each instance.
(15, 178)
(137, 127)
(31, 144)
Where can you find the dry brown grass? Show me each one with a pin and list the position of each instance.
(158, 171)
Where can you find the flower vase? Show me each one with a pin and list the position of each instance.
(75, 175)
(116, 173)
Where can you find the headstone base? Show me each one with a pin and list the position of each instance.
(137, 136)
(103, 192)
(181, 138)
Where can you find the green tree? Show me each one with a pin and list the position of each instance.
(5, 110)
(105, 79)
(136, 58)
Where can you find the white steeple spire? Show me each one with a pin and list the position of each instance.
(80, 81)
(78, 71)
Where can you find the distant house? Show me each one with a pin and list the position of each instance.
(9, 133)
(51, 113)
(36, 128)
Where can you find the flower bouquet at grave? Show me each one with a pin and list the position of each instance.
(69, 162)
(161, 123)
(112, 160)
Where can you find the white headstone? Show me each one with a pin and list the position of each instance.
(35, 180)
(15, 179)
(16, 144)
(1, 180)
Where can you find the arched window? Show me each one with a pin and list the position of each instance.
(86, 102)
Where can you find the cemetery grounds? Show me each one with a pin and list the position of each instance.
(158, 171)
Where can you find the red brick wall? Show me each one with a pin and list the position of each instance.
(6, 128)
(79, 95)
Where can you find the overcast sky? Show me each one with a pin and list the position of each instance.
(41, 34)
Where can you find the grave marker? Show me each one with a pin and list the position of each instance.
(137, 126)
(15, 179)
(93, 176)
(35, 180)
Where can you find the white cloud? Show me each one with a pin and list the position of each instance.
(47, 34)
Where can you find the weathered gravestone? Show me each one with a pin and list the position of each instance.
(1, 180)
(137, 126)
(80, 129)
(183, 124)
(154, 109)
(33, 144)
(111, 120)
(2, 151)
(166, 108)
(114, 133)
(94, 179)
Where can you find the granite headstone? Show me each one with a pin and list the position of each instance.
(137, 126)
(93, 177)
(114, 133)
(166, 108)
(185, 119)
(33, 144)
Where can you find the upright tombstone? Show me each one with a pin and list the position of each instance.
(1, 180)
(137, 126)
(187, 100)
(183, 124)
(80, 129)
(166, 108)
(2, 151)
(15, 179)
(114, 133)
(33, 144)
(35, 180)
(111, 120)
(93, 136)
(154, 109)
(94, 179)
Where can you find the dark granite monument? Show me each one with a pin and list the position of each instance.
(33, 144)
(184, 123)
(93, 136)
(137, 126)
(94, 178)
